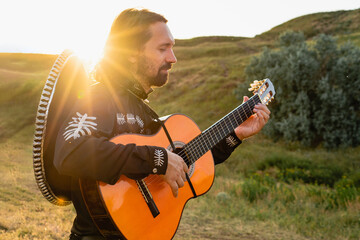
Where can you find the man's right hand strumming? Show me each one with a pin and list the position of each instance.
(175, 172)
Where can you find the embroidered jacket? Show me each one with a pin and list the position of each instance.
(83, 149)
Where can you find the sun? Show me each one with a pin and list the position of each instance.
(88, 54)
(86, 42)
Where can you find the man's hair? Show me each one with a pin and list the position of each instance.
(128, 34)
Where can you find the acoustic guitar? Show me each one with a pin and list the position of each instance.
(146, 209)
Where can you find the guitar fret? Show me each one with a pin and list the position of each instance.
(246, 110)
(191, 155)
(216, 135)
(203, 146)
(212, 142)
(234, 123)
(218, 131)
(227, 125)
(223, 131)
(239, 114)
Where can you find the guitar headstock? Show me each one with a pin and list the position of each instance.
(265, 89)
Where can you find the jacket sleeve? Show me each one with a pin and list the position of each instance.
(225, 147)
(83, 149)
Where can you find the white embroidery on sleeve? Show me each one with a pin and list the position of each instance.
(231, 141)
(80, 126)
(120, 118)
(158, 157)
(130, 118)
(140, 122)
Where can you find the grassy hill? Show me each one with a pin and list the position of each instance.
(21, 80)
(249, 200)
(333, 23)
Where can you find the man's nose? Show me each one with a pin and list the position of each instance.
(171, 57)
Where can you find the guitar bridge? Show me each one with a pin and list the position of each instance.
(148, 198)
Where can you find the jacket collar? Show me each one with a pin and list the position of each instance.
(131, 85)
(138, 90)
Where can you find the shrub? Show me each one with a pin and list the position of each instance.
(345, 192)
(253, 189)
(317, 90)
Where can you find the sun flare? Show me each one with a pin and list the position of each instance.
(89, 54)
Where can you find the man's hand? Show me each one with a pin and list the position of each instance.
(175, 172)
(254, 123)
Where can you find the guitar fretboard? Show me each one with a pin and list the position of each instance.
(218, 131)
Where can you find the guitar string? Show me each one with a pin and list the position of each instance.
(236, 118)
(233, 123)
(195, 148)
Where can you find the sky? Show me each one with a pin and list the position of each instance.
(47, 26)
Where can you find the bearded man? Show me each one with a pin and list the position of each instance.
(138, 56)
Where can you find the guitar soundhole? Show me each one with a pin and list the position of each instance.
(178, 148)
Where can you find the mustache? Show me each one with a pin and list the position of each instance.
(166, 66)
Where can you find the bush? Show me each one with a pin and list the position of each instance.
(317, 90)
(305, 170)
(253, 189)
(345, 192)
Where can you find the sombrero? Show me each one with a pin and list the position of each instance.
(66, 82)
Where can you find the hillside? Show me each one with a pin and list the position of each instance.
(21, 81)
(254, 195)
(332, 23)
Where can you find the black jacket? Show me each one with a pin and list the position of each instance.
(83, 149)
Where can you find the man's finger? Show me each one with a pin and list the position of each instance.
(183, 176)
(245, 98)
(185, 167)
(180, 183)
(174, 189)
(263, 108)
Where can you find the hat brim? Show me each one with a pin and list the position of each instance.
(67, 79)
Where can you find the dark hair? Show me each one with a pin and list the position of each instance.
(129, 33)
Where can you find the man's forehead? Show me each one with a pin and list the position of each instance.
(161, 34)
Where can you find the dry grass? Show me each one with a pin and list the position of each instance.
(24, 213)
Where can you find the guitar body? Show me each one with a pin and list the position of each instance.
(124, 202)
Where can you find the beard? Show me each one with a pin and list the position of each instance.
(146, 71)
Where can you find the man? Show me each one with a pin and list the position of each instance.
(138, 56)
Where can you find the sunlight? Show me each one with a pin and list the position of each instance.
(89, 53)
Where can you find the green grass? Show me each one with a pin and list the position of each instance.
(266, 190)
(334, 23)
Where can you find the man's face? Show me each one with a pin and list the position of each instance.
(155, 60)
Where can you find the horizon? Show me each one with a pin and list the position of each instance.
(49, 28)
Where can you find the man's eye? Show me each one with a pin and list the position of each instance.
(162, 49)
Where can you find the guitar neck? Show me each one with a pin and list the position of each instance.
(219, 130)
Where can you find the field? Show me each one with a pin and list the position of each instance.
(265, 190)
